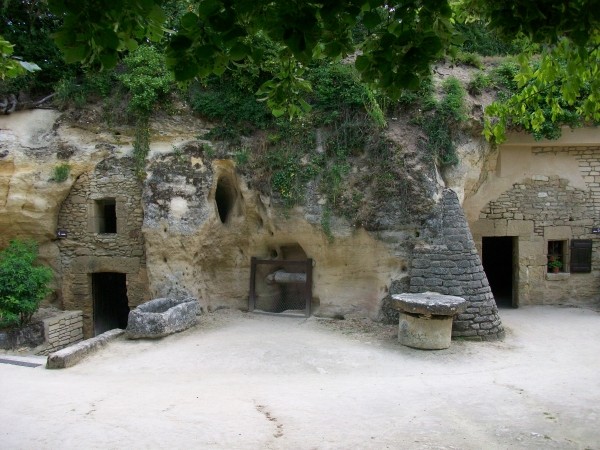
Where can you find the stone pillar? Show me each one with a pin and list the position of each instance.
(449, 264)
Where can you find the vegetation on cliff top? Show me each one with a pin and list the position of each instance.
(394, 45)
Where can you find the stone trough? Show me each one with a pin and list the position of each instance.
(161, 317)
(425, 320)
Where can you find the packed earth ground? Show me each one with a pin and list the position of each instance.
(244, 381)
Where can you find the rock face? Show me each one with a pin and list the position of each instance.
(190, 228)
(203, 223)
(161, 317)
(31, 335)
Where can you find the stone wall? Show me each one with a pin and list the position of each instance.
(449, 264)
(62, 330)
(544, 208)
(86, 251)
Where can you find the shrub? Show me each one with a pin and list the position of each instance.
(22, 285)
(440, 124)
(60, 173)
(468, 59)
(478, 84)
(146, 78)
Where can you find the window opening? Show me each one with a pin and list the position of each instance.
(225, 198)
(556, 256)
(106, 216)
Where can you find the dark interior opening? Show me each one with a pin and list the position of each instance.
(225, 198)
(106, 214)
(498, 266)
(111, 308)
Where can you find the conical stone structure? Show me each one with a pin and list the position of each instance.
(449, 264)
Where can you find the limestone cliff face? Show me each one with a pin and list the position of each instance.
(202, 220)
(31, 146)
(202, 224)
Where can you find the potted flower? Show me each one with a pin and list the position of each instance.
(554, 265)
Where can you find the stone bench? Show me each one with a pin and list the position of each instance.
(161, 317)
(426, 319)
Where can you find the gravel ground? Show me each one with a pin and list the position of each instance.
(243, 381)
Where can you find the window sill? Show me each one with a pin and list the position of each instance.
(106, 235)
(560, 276)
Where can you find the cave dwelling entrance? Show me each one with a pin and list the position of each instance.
(111, 307)
(499, 258)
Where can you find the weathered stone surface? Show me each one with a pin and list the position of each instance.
(62, 330)
(161, 317)
(283, 277)
(423, 332)
(463, 275)
(30, 335)
(71, 355)
(430, 303)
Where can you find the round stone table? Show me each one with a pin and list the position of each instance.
(426, 319)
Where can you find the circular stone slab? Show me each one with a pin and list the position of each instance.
(430, 303)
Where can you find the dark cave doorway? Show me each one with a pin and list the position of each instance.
(111, 307)
(498, 259)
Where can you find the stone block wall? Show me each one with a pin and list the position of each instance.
(549, 208)
(62, 330)
(449, 264)
(86, 251)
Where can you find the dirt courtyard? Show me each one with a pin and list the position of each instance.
(242, 381)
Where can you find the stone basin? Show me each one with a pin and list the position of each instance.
(161, 317)
(425, 320)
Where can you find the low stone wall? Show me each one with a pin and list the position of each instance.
(62, 330)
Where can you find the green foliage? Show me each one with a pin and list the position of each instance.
(11, 66)
(22, 284)
(503, 76)
(60, 173)
(75, 92)
(542, 21)
(442, 121)
(561, 87)
(226, 101)
(336, 87)
(554, 264)
(242, 156)
(27, 25)
(146, 78)
(208, 151)
(284, 165)
(141, 145)
(468, 59)
(397, 43)
(478, 83)
(94, 33)
(326, 224)
(482, 40)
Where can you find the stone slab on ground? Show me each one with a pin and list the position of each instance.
(71, 355)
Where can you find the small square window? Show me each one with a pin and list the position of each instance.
(556, 256)
(106, 216)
